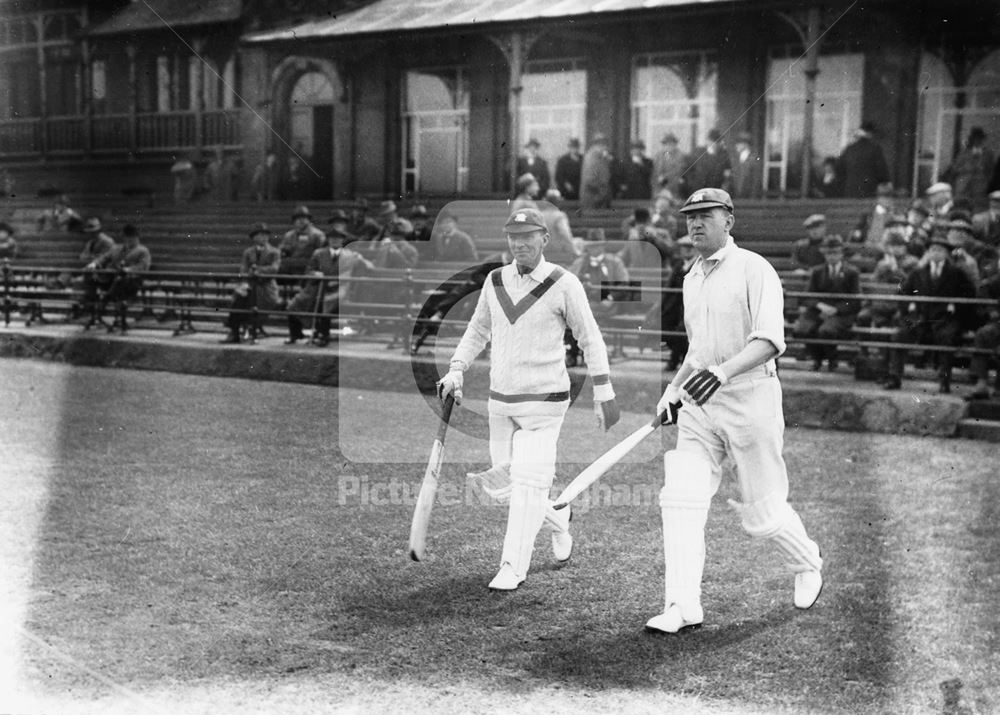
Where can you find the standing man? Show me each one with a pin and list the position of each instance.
(748, 168)
(523, 311)
(732, 397)
(568, 171)
(531, 163)
(710, 167)
(595, 175)
(863, 164)
(669, 165)
(987, 224)
(636, 173)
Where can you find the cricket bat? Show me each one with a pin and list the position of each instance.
(428, 488)
(606, 461)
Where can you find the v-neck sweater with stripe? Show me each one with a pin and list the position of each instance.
(524, 318)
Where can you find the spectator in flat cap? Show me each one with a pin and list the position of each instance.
(300, 241)
(8, 244)
(451, 245)
(863, 164)
(422, 224)
(986, 224)
(568, 168)
(829, 183)
(747, 167)
(635, 173)
(392, 224)
(60, 217)
(939, 199)
(806, 252)
(526, 189)
(595, 175)
(971, 168)
(829, 319)
(531, 163)
(669, 165)
(257, 289)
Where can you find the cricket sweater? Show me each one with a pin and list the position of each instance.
(524, 318)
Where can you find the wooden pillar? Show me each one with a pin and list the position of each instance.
(515, 47)
(808, 120)
(87, 92)
(43, 99)
(133, 103)
(198, 93)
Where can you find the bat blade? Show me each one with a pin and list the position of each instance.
(428, 489)
(605, 462)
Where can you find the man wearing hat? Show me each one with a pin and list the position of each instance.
(599, 270)
(892, 269)
(523, 311)
(829, 319)
(987, 335)
(932, 323)
(525, 192)
(362, 226)
(971, 168)
(422, 224)
(128, 261)
(863, 164)
(709, 165)
(595, 175)
(805, 253)
(449, 244)
(392, 224)
(635, 173)
(939, 196)
(669, 165)
(748, 172)
(60, 217)
(258, 289)
(531, 163)
(8, 244)
(986, 224)
(964, 247)
(568, 168)
(726, 401)
(338, 222)
(97, 246)
(299, 242)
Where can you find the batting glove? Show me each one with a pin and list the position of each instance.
(670, 403)
(451, 384)
(607, 413)
(703, 384)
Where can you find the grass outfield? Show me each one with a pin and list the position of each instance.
(182, 544)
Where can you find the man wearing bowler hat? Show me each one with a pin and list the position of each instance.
(595, 175)
(568, 169)
(635, 173)
(531, 163)
(299, 242)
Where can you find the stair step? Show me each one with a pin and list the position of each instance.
(985, 409)
(985, 430)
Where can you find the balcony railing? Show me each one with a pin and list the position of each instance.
(120, 133)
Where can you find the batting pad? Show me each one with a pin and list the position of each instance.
(524, 519)
(494, 482)
(774, 518)
(684, 502)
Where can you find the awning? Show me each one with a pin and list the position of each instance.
(148, 15)
(409, 15)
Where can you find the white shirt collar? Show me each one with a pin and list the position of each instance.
(539, 273)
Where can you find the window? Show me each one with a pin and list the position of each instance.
(674, 92)
(436, 131)
(553, 105)
(836, 115)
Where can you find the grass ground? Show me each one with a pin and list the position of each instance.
(185, 544)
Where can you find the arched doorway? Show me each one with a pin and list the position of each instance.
(310, 129)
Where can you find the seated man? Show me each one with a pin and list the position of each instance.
(300, 242)
(605, 280)
(59, 218)
(895, 266)
(8, 244)
(805, 253)
(987, 338)
(98, 246)
(324, 297)
(422, 224)
(451, 245)
(932, 323)
(829, 320)
(639, 228)
(259, 290)
(130, 260)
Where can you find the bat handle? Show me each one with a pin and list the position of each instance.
(660, 419)
(449, 402)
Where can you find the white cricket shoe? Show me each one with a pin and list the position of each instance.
(674, 621)
(562, 540)
(506, 579)
(808, 585)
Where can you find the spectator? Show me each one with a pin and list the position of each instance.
(59, 218)
(450, 245)
(806, 253)
(422, 224)
(932, 323)
(295, 181)
(391, 223)
(300, 242)
(525, 192)
(560, 249)
(258, 290)
(893, 269)
(362, 227)
(394, 250)
(833, 319)
(640, 234)
(129, 261)
(338, 223)
(686, 253)
(324, 298)
(568, 171)
(595, 175)
(963, 248)
(986, 224)
(233, 175)
(98, 242)
(863, 164)
(664, 214)
(214, 178)
(830, 183)
(970, 169)
(264, 183)
(747, 167)
(635, 174)
(918, 227)
(185, 179)
(866, 237)
(667, 314)
(987, 338)
(8, 244)
(605, 280)
(669, 166)
(710, 167)
(939, 196)
(531, 163)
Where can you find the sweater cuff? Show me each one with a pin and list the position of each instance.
(603, 393)
(459, 365)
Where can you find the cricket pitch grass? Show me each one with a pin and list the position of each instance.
(178, 544)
